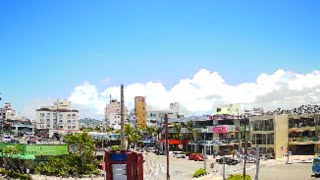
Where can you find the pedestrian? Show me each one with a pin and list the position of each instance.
(214, 153)
(233, 153)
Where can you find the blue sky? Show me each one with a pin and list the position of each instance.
(49, 47)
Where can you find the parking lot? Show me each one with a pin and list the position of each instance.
(155, 168)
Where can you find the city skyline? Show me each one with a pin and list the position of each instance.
(84, 51)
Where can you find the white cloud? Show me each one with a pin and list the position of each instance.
(205, 90)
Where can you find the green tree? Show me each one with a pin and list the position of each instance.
(189, 126)
(177, 130)
(133, 135)
(82, 145)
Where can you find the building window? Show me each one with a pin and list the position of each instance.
(69, 127)
(41, 126)
(74, 116)
(73, 127)
(41, 114)
(41, 121)
(55, 121)
(60, 121)
(54, 114)
(48, 121)
(48, 114)
(74, 121)
(54, 126)
(61, 115)
(69, 121)
(61, 127)
(48, 126)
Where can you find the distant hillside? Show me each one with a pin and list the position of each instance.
(90, 121)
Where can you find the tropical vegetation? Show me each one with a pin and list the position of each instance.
(80, 161)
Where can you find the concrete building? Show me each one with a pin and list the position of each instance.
(270, 132)
(113, 114)
(304, 133)
(279, 133)
(156, 117)
(7, 112)
(140, 110)
(60, 116)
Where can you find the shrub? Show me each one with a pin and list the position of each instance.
(200, 172)
(238, 177)
(115, 148)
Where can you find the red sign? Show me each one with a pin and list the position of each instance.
(175, 141)
(219, 129)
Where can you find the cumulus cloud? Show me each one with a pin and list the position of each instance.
(205, 90)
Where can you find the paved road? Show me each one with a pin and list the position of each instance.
(155, 169)
(295, 171)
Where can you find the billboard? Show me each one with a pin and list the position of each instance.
(219, 129)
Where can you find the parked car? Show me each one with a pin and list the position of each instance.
(228, 160)
(196, 157)
(150, 149)
(251, 159)
(6, 139)
(159, 152)
(180, 156)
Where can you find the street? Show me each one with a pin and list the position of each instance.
(155, 169)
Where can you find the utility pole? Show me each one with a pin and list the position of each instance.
(224, 168)
(167, 146)
(245, 121)
(1, 118)
(205, 153)
(257, 162)
(123, 145)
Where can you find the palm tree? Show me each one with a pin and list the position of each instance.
(189, 126)
(196, 134)
(133, 135)
(177, 129)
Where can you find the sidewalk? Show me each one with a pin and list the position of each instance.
(209, 177)
(297, 159)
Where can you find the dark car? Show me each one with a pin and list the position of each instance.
(159, 152)
(228, 161)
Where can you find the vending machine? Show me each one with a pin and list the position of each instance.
(123, 165)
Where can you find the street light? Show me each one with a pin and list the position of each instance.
(245, 121)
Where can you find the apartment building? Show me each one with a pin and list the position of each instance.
(270, 132)
(7, 112)
(304, 133)
(113, 114)
(60, 116)
(140, 111)
(279, 133)
(156, 117)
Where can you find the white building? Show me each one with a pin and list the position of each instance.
(156, 117)
(7, 112)
(113, 114)
(60, 116)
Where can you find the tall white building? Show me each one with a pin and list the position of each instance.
(113, 114)
(156, 117)
(7, 112)
(60, 116)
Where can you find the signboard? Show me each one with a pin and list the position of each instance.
(219, 129)
(118, 157)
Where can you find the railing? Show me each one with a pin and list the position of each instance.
(301, 125)
(217, 142)
(303, 139)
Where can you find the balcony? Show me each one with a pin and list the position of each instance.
(303, 140)
(300, 127)
(215, 142)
